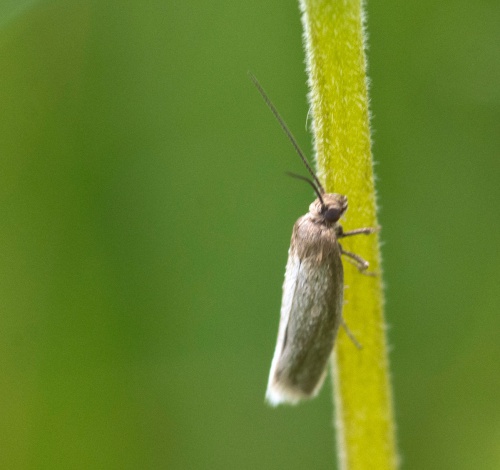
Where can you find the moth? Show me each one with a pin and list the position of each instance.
(313, 290)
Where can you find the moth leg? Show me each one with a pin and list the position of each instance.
(351, 335)
(359, 262)
(359, 231)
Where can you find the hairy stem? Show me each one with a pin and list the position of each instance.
(334, 42)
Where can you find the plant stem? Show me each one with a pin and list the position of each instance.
(334, 42)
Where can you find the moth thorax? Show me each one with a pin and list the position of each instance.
(332, 209)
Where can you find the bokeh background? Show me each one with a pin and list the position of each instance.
(145, 222)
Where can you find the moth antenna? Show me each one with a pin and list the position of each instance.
(287, 132)
(304, 178)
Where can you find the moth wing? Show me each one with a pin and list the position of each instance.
(290, 287)
(311, 313)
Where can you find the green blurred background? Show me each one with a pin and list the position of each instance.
(145, 222)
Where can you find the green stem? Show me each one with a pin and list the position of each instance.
(339, 104)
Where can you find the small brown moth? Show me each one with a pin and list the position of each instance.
(313, 291)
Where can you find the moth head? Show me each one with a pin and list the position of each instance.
(330, 208)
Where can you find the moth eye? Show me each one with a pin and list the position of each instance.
(332, 214)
